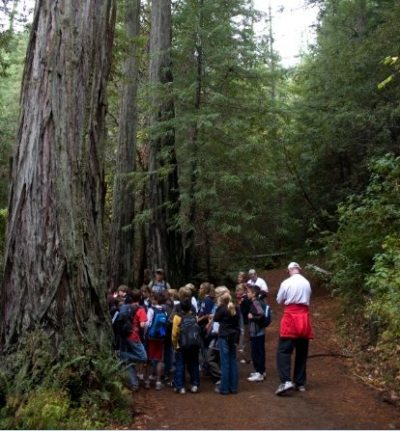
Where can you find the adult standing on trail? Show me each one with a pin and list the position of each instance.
(159, 284)
(255, 280)
(295, 329)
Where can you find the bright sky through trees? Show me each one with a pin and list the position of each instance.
(292, 21)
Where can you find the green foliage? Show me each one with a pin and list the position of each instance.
(226, 114)
(339, 118)
(80, 388)
(365, 220)
(384, 286)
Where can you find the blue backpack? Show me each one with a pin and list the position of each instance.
(267, 316)
(158, 328)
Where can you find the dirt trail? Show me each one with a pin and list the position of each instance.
(334, 399)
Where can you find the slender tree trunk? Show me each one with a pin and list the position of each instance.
(120, 260)
(165, 240)
(54, 279)
(190, 235)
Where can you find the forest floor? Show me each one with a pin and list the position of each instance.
(335, 398)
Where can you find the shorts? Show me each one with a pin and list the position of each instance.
(155, 350)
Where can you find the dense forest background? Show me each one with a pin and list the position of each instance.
(217, 158)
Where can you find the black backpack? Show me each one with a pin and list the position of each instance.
(122, 321)
(189, 335)
(267, 316)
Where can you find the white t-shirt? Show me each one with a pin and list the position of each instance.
(294, 290)
(194, 303)
(260, 282)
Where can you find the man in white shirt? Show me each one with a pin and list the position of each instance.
(254, 280)
(295, 329)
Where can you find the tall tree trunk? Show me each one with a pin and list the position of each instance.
(120, 260)
(165, 239)
(190, 235)
(54, 279)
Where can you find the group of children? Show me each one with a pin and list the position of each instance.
(162, 333)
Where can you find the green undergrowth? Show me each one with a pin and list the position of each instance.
(364, 258)
(82, 390)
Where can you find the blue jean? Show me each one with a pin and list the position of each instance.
(229, 368)
(130, 353)
(258, 353)
(190, 360)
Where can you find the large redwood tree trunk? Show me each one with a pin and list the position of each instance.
(120, 260)
(54, 277)
(165, 246)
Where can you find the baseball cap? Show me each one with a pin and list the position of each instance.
(294, 265)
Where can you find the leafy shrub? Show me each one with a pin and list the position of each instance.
(365, 220)
(384, 285)
(85, 392)
(365, 262)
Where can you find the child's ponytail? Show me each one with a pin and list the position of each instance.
(225, 299)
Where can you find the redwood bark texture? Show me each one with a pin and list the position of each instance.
(165, 247)
(121, 253)
(54, 278)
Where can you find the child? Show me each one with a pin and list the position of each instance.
(156, 332)
(244, 305)
(206, 306)
(257, 335)
(146, 296)
(185, 358)
(227, 315)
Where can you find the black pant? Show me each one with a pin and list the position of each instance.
(258, 353)
(284, 356)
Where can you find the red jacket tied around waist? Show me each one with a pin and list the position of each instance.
(296, 322)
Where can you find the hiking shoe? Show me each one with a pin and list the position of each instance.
(159, 386)
(182, 391)
(256, 377)
(284, 387)
(194, 389)
(147, 384)
(300, 388)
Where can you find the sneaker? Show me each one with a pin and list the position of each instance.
(243, 361)
(256, 377)
(159, 386)
(140, 376)
(152, 377)
(300, 388)
(182, 391)
(194, 389)
(218, 382)
(264, 374)
(147, 384)
(253, 373)
(284, 387)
